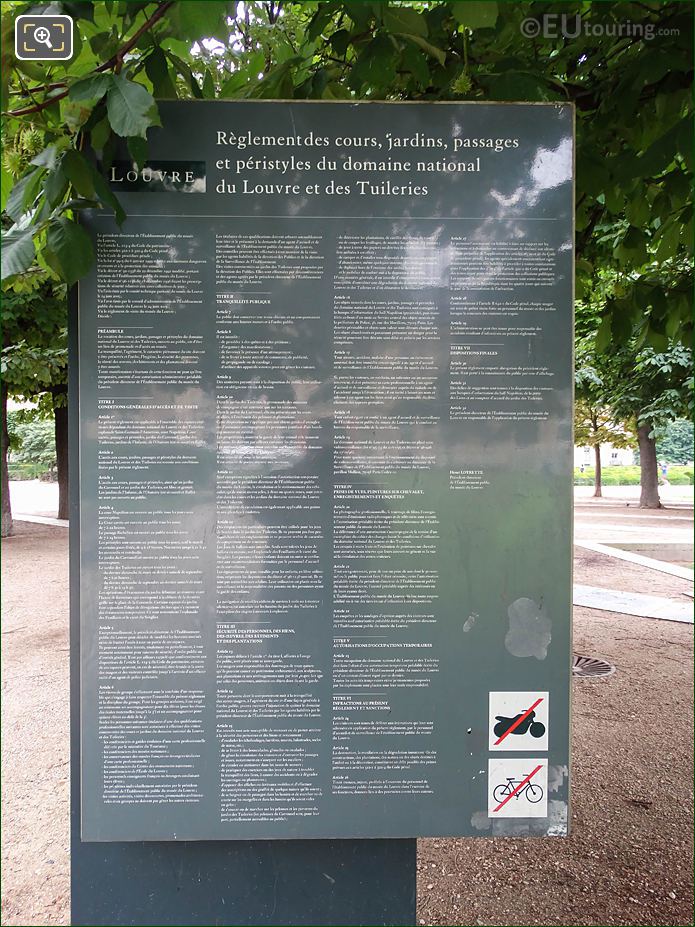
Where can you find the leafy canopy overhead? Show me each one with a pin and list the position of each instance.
(632, 93)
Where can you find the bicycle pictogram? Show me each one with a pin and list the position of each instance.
(517, 788)
(512, 788)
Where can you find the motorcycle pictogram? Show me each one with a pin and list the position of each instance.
(534, 728)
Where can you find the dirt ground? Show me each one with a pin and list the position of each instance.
(35, 771)
(593, 569)
(629, 859)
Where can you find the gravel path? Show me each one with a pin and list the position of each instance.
(629, 859)
(35, 771)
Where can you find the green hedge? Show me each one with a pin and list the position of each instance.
(630, 476)
(26, 470)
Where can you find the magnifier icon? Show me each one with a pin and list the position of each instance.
(43, 35)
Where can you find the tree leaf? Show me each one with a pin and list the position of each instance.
(99, 134)
(46, 258)
(79, 10)
(340, 42)
(47, 157)
(208, 86)
(199, 20)
(131, 109)
(518, 85)
(90, 88)
(404, 20)
(23, 194)
(108, 197)
(614, 200)
(592, 173)
(669, 240)
(137, 148)
(658, 340)
(637, 209)
(104, 45)
(72, 248)
(478, 15)
(360, 13)
(79, 172)
(621, 326)
(660, 153)
(634, 239)
(17, 251)
(195, 87)
(429, 48)
(233, 85)
(108, 152)
(375, 65)
(7, 184)
(413, 61)
(603, 334)
(320, 20)
(278, 83)
(336, 91)
(157, 70)
(179, 65)
(14, 203)
(75, 115)
(79, 203)
(55, 186)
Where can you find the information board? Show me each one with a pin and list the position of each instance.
(326, 475)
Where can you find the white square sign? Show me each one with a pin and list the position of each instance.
(517, 788)
(518, 721)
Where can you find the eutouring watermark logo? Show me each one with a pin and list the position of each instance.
(555, 25)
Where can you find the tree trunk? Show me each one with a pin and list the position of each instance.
(649, 473)
(5, 477)
(61, 434)
(597, 471)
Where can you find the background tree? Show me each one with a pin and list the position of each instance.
(638, 379)
(34, 368)
(595, 422)
(32, 441)
(594, 427)
(650, 389)
(675, 446)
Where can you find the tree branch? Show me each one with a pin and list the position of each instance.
(28, 91)
(115, 61)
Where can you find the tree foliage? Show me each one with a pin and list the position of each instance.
(642, 388)
(594, 425)
(32, 440)
(34, 353)
(675, 446)
(627, 385)
(654, 387)
(632, 94)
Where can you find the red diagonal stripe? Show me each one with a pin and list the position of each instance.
(518, 721)
(518, 788)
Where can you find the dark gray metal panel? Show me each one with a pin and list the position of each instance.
(503, 548)
(339, 882)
